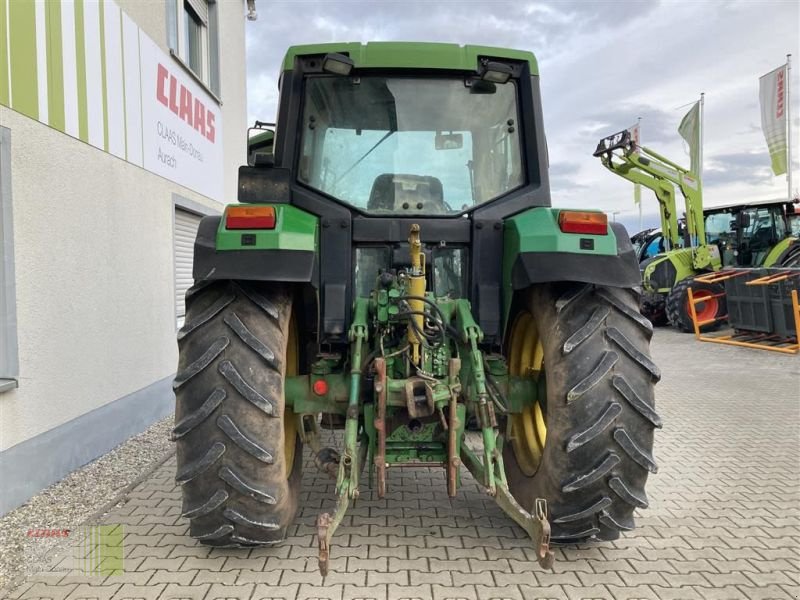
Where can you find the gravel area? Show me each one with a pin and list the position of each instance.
(83, 496)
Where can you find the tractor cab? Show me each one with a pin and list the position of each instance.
(747, 234)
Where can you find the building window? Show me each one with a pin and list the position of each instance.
(9, 361)
(194, 32)
(193, 37)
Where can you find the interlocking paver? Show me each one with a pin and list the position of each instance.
(227, 577)
(220, 591)
(184, 578)
(399, 592)
(147, 592)
(184, 592)
(633, 592)
(553, 592)
(583, 592)
(401, 578)
(723, 522)
(351, 592)
(282, 592)
(93, 592)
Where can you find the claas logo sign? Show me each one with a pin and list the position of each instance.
(177, 97)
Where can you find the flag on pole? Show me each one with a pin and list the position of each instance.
(635, 131)
(690, 131)
(772, 95)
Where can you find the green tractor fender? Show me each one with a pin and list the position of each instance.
(784, 254)
(258, 242)
(536, 250)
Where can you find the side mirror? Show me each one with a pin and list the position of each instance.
(449, 141)
(743, 220)
(260, 145)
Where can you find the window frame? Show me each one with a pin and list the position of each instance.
(9, 352)
(526, 178)
(209, 75)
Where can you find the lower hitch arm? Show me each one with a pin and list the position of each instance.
(347, 480)
(491, 472)
(536, 525)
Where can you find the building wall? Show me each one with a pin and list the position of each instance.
(93, 254)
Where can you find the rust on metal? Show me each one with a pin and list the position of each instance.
(380, 425)
(323, 522)
(452, 458)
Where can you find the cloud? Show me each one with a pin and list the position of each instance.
(564, 177)
(745, 167)
(603, 64)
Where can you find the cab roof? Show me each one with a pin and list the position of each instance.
(746, 204)
(407, 55)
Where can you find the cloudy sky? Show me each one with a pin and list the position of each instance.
(602, 65)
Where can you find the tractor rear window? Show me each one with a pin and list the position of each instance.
(410, 145)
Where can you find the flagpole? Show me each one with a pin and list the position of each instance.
(639, 125)
(702, 135)
(789, 125)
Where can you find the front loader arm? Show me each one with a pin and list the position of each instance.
(664, 191)
(621, 155)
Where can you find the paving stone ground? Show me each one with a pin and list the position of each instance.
(723, 522)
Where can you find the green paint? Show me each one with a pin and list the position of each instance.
(537, 230)
(4, 92)
(775, 252)
(55, 66)
(103, 73)
(80, 63)
(295, 229)
(22, 35)
(102, 549)
(681, 259)
(416, 55)
(124, 96)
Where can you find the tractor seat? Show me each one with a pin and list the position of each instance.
(412, 194)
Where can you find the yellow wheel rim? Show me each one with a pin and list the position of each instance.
(528, 429)
(289, 422)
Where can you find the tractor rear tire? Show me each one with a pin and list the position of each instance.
(238, 453)
(678, 305)
(599, 412)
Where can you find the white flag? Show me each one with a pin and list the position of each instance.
(690, 131)
(772, 95)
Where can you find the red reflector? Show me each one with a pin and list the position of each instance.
(320, 387)
(573, 221)
(250, 217)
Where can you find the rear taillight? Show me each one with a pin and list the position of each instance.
(573, 221)
(250, 217)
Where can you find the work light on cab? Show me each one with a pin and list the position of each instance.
(250, 217)
(496, 72)
(592, 223)
(337, 64)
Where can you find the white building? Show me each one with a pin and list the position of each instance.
(121, 122)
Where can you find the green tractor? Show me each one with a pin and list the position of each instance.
(755, 234)
(748, 235)
(393, 269)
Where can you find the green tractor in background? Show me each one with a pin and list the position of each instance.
(756, 234)
(394, 268)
